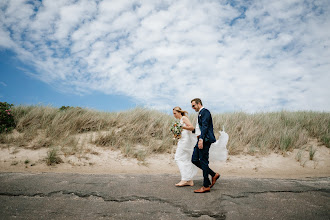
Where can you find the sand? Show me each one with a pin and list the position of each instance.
(97, 160)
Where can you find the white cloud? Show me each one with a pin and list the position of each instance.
(251, 56)
(3, 84)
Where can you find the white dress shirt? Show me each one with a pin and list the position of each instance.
(197, 129)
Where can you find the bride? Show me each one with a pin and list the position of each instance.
(185, 149)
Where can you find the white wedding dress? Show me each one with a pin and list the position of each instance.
(184, 153)
(218, 152)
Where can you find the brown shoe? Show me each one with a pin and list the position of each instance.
(202, 190)
(214, 179)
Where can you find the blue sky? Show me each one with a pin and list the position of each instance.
(115, 55)
(19, 88)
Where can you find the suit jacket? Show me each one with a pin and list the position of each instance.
(206, 126)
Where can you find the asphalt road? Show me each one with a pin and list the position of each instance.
(86, 196)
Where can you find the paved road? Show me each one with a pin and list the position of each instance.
(83, 196)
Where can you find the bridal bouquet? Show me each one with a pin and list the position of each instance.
(176, 129)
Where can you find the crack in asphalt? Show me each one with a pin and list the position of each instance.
(133, 198)
(222, 209)
(221, 214)
(247, 194)
(183, 208)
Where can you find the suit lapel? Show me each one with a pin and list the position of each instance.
(200, 113)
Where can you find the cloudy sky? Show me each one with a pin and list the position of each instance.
(117, 54)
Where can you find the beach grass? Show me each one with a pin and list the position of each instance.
(141, 132)
(276, 131)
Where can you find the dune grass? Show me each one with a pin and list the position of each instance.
(277, 131)
(141, 132)
(52, 157)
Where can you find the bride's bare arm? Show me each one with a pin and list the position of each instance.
(188, 126)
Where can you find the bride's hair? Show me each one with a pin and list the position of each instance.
(178, 109)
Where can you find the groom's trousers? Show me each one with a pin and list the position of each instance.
(200, 158)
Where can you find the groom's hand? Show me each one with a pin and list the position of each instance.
(200, 144)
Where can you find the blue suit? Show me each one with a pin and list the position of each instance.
(200, 157)
(206, 126)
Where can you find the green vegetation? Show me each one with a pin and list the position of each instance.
(312, 152)
(7, 122)
(63, 108)
(140, 132)
(52, 157)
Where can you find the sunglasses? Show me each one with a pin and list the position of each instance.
(193, 106)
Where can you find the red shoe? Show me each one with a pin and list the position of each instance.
(214, 179)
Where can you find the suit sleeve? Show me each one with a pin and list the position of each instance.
(205, 123)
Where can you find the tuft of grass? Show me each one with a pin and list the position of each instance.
(312, 152)
(325, 139)
(299, 155)
(130, 151)
(140, 155)
(252, 150)
(53, 158)
(26, 161)
(286, 143)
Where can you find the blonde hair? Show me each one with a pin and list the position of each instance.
(178, 109)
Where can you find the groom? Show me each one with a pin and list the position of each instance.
(205, 137)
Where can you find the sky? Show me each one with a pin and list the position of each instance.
(114, 55)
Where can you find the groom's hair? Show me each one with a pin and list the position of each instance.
(197, 100)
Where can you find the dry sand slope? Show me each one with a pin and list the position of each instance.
(105, 161)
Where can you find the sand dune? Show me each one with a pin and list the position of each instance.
(295, 164)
